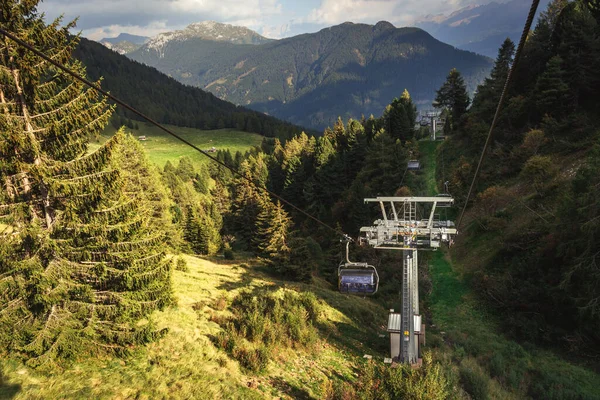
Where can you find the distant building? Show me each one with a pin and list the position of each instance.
(212, 150)
(142, 137)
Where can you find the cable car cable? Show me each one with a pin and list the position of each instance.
(160, 126)
(526, 28)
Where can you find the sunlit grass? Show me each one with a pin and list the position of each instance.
(186, 364)
(161, 147)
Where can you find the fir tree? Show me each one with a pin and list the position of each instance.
(488, 93)
(453, 96)
(83, 262)
(551, 92)
(274, 225)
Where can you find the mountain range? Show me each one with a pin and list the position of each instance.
(480, 28)
(345, 70)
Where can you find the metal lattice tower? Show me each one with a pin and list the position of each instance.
(410, 234)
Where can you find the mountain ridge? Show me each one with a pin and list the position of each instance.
(311, 79)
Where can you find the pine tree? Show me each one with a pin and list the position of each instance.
(83, 263)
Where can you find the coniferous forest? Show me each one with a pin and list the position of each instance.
(99, 248)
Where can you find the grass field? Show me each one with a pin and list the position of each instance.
(162, 147)
(428, 154)
(186, 365)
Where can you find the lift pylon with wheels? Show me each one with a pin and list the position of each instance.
(402, 229)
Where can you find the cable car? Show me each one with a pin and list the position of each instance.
(413, 165)
(357, 278)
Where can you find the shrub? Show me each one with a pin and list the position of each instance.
(380, 381)
(497, 365)
(181, 265)
(473, 380)
(268, 319)
(252, 359)
(228, 252)
(220, 303)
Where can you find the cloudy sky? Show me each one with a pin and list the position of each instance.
(271, 18)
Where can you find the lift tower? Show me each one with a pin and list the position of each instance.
(402, 229)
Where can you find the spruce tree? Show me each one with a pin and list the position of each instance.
(272, 236)
(552, 95)
(488, 93)
(453, 96)
(80, 260)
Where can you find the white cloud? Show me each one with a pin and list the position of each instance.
(399, 12)
(152, 29)
(275, 32)
(273, 18)
(101, 13)
(337, 11)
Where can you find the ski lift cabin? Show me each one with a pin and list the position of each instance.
(357, 278)
(413, 165)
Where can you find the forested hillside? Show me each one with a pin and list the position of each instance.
(168, 101)
(311, 79)
(530, 238)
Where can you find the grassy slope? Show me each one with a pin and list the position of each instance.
(162, 147)
(469, 338)
(185, 363)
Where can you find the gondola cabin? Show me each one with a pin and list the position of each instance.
(359, 279)
(413, 165)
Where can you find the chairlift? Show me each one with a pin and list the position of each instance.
(443, 205)
(357, 278)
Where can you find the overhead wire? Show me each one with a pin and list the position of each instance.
(526, 28)
(163, 128)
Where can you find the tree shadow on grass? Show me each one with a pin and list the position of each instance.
(7, 390)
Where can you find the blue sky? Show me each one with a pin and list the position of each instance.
(271, 18)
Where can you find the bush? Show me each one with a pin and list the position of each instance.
(252, 359)
(473, 380)
(268, 319)
(181, 265)
(380, 381)
(228, 252)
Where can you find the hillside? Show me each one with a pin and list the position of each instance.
(311, 79)
(480, 28)
(529, 240)
(168, 101)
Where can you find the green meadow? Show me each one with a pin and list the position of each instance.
(162, 147)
